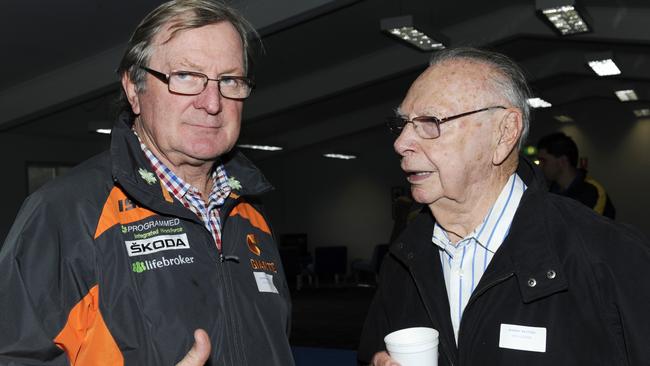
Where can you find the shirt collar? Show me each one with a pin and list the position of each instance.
(178, 187)
(495, 225)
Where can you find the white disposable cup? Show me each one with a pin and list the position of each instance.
(413, 346)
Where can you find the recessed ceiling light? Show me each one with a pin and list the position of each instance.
(566, 19)
(260, 147)
(340, 156)
(563, 118)
(404, 29)
(645, 112)
(538, 103)
(105, 131)
(604, 67)
(626, 95)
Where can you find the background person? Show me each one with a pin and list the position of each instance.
(119, 261)
(496, 255)
(558, 159)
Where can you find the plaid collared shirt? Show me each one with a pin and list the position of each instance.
(191, 197)
(464, 263)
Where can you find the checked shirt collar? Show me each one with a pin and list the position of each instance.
(191, 197)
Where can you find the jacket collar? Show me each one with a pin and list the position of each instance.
(128, 162)
(530, 246)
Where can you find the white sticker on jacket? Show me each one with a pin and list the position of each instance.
(156, 244)
(522, 338)
(265, 282)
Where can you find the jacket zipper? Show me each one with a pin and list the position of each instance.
(475, 295)
(237, 353)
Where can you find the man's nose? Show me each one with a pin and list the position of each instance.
(210, 98)
(406, 139)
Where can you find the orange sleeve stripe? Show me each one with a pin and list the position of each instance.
(85, 338)
(249, 212)
(118, 210)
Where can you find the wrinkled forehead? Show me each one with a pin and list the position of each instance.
(450, 87)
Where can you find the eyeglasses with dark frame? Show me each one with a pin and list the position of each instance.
(194, 83)
(428, 127)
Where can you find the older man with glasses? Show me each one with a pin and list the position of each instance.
(507, 273)
(158, 243)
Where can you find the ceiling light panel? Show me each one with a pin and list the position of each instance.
(645, 112)
(260, 147)
(405, 29)
(566, 20)
(626, 95)
(340, 156)
(563, 118)
(538, 103)
(416, 38)
(605, 67)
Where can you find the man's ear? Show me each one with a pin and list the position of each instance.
(508, 134)
(131, 93)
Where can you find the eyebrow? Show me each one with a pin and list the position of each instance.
(195, 67)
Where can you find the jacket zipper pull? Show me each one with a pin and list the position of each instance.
(232, 258)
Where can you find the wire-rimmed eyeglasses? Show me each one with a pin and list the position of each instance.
(428, 127)
(193, 83)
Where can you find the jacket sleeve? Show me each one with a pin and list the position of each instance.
(42, 280)
(624, 276)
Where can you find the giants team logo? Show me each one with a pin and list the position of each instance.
(251, 240)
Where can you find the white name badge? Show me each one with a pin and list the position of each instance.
(265, 282)
(523, 338)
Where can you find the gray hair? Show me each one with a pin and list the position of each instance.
(182, 15)
(509, 80)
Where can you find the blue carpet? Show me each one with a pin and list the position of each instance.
(310, 356)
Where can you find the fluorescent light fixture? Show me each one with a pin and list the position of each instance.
(565, 17)
(339, 156)
(404, 29)
(645, 112)
(604, 67)
(260, 147)
(105, 131)
(626, 95)
(563, 118)
(538, 103)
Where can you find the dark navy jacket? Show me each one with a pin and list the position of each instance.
(562, 267)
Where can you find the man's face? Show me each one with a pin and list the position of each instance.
(453, 166)
(550, 165)
(190, 129)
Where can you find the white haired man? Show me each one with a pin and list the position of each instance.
(507, 273)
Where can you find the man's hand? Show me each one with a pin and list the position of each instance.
(200, 351)
(383, 359)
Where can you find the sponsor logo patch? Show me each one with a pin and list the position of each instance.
(148, 265)
(149, 225)
(156, 244)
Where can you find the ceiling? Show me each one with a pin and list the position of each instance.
(326, 73)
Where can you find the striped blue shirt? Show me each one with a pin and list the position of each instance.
(464, 263)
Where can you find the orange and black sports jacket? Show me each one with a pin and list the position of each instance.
(104, 267)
